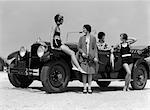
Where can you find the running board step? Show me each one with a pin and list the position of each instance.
(112, 79)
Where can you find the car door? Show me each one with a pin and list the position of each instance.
(117, 61)
(103, 56)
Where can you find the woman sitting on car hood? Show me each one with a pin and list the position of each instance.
(57, 43)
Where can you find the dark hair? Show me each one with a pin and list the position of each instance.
(124, 36)
(100, 35)
(88, 27)
(58, 17)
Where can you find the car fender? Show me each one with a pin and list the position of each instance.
(58, 54)
(143, 62)
(46, 57)
(51, 55)
(55, 55)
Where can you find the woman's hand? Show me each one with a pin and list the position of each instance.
(84, 55)
(95, 60)
(112, 49)
(132, 40)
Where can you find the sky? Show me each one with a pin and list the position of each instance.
(22, 22)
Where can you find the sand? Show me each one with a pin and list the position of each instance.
(35, 98)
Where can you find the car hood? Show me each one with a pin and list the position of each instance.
(139, 47)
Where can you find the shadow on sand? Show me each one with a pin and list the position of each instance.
(95, 89)
(77, 89)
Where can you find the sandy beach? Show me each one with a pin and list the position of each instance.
(35, 98)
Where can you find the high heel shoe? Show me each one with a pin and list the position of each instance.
(125, 89)
(82, 71)
(128, 89)
(89, 91)
(74, 68)
(84, 91)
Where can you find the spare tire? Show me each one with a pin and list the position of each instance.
(19, 80)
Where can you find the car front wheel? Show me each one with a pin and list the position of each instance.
(55, 76)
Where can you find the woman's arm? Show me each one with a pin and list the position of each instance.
(131, 40)
(95, 48)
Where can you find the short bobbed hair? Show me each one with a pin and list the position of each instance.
(58, 17)
(100, 35)
(87, 27)
(124, 36)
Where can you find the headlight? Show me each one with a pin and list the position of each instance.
(22, 51)
(40, 51)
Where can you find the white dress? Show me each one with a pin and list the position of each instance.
(87, 44)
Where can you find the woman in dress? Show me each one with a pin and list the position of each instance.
(57, 43)
(88, 57)
(102, 45)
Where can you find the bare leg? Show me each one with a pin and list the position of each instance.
(130, 66)
(128, 76)
(68, 51)
(84, 79)
(74, 67)
(112, 60)
(89, 82)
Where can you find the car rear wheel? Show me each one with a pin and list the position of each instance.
(55, 76)
(1, 65)
(139, 77)
(19, 80)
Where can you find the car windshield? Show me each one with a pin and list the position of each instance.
(73, 37)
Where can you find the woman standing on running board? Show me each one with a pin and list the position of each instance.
(57, 42)
(127, 60)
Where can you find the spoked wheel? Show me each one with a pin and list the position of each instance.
(55, 76)
(139, 77)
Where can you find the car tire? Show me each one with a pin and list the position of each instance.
(1, 66)
(55, 76)
(19, 80)
(139, 77)
(103, 83)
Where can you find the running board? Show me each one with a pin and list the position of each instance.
(112, 79)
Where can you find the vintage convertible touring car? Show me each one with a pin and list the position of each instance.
(53, 68)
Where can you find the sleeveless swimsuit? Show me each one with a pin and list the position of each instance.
(126, 54)
(56, 42)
